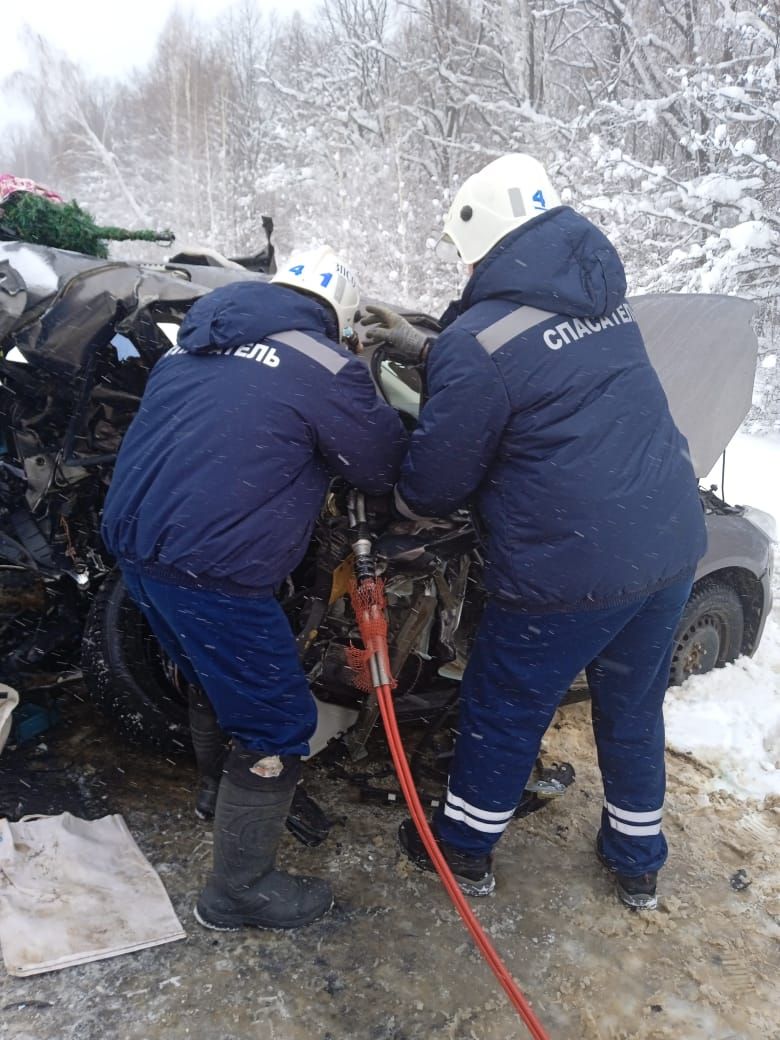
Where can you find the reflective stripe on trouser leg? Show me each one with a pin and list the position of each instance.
(477, 819)
(628, 682)
(638, 824)
(520, 668)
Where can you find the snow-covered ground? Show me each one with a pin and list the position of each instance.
(729, 720)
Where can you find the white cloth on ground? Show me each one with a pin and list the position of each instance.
(73, 891)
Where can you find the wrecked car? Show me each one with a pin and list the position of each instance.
(78, 338)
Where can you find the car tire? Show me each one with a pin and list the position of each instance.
(710, 631)
(127, 676)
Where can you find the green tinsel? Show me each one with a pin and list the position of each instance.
(64, 225)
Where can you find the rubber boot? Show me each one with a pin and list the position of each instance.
(210, 746)
(245, 889)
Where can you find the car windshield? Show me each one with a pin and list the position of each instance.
(401, 387)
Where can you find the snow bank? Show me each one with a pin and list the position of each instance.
(729, 720)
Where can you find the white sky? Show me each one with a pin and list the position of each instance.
(106, 37)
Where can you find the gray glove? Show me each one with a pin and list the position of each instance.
(403, 341)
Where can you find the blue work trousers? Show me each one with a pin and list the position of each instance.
(241, 650)
(520, 669)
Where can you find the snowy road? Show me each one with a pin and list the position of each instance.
(393, 962)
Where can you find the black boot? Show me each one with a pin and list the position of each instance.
(245, 889)
(473, 874)
(210, 746)
(637, 891)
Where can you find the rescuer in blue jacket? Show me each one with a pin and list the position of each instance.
(545, 414)
(213, 500)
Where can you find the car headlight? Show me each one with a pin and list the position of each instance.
(765, 522)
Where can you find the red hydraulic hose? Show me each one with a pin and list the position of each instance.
(499, 969)
(368, 602)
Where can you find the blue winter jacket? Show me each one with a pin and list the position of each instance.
(546, 413)
(223, 471)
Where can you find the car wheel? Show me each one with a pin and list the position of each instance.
(127, 676)
(710, 631)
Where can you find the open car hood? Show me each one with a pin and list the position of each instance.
(704, 350)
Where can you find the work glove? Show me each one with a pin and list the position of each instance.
(403, 341)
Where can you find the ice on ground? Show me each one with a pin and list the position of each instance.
(729, 720)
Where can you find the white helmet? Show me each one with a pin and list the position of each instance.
(505, 194)
(325, 275)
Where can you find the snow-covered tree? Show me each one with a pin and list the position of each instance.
(658, 119)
